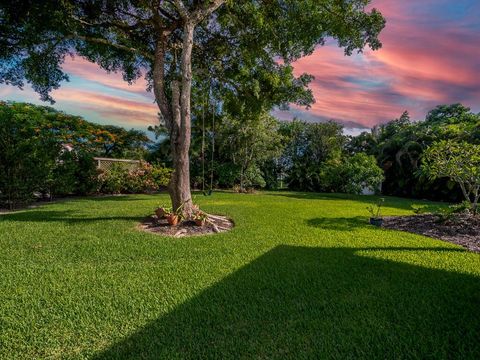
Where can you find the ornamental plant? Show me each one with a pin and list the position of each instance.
(458, 161)
(375, 210)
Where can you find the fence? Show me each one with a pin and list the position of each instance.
(106, 163)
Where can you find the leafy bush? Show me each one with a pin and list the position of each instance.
(74, 173)
(27, 154)
(85, 173)
(112, 181)
(253, 178)
(140, 180)
(227, 174)
(47, 152)
(458, 161)
(120, 179)
(351, 174)
(161, 176)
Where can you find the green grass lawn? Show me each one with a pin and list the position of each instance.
(300, 276)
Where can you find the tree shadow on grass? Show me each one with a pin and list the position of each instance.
(341, 224)
(296, 302)
(66, 216)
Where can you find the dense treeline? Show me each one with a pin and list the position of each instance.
(255, 150)
(261, 152)
(50, 153)
(400, 144)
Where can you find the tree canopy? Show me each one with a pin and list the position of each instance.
(247, 42)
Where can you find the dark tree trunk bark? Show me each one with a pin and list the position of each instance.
(177, 117)
(179, 187)
(176, 111)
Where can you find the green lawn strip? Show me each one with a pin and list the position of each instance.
(300, 276)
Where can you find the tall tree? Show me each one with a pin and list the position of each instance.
(125, 143)
(179, 42)
(308, 146)
(246, 142)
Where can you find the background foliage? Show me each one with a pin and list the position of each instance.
(399, 145)
(47, 153)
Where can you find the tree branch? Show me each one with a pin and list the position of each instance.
(199, 14)
(116, 46)
(167, 15)
(159, 80)
(182, 9)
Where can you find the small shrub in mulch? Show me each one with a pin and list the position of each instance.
(461, 229)
(213, 224)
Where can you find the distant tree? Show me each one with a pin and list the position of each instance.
(351, 174)
(452, 114)
(245, 144)
(308, 147)
(457, 161)
(125, 143)
(179, 43)
(365, 142)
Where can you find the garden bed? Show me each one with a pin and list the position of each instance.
(215, 224)
(461, 229)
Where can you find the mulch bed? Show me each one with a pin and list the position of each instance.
(461, 229)
(214, 225)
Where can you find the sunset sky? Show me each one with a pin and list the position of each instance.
(430, 56)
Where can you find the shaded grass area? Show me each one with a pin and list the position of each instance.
(300, 276)
(293, 301)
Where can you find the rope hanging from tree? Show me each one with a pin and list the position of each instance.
(209, 192)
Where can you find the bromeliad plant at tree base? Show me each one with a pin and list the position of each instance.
(162, 210)
(173, 216)
(200, 218)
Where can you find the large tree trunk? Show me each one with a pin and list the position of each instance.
(179, 186)
(176, 111)
(180, 143)
(177, 117)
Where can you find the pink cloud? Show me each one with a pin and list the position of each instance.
(127, 112)
(420, 65)
(92, 72)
